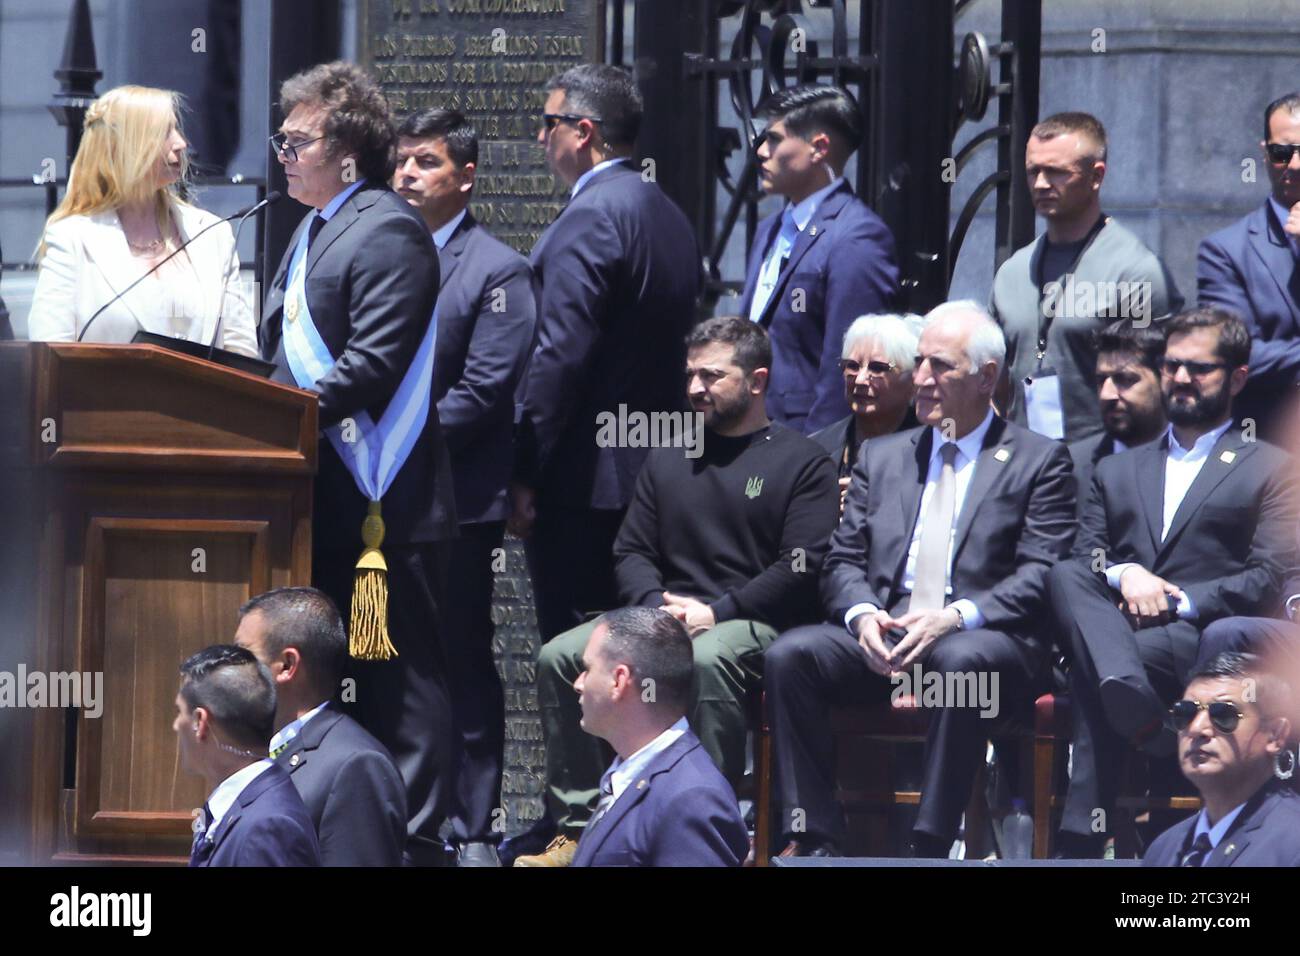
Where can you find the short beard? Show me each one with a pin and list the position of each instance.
(1205, 409)
(722, 419)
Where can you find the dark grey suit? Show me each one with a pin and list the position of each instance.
(352, 791)
(1228, 547)
(1016, 521)
(1265, 833)
(371, 284)
(487, 311)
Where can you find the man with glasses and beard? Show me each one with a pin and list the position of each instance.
(728, 535)
(1179, 533)
(1234, 727)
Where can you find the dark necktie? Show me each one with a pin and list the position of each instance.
(201, 848)
(314, 228)
(606, 799)
(1199, 851)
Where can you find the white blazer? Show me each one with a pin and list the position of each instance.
(87, 262)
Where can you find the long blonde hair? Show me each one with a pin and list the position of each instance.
(124, 137)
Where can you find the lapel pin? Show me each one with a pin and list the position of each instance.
(1002, 454)
(1228, 457)
(812, 232)
(641, 784)
(1227, 850)
(293, 761)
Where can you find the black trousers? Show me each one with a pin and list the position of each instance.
(477, 700)
(1102, 644)
(811, 669)
(571, 562)
(404, 701)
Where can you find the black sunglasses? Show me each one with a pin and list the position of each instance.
(1280, 153)
(1195, 369)
(553, 120)
(1223, 715)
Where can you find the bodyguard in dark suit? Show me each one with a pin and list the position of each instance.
(369, 283)
(253, 815)
(486, 317)
(1128, 388)
(663, 802)
(1179, 533)
(1234, 723)
(1250, 268)
(620, 273)
(346, 778)
(822, 261)
(938, 563)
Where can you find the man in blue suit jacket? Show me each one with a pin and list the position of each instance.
(487, 311)
(619, 271)
(821, 262)
(253, 815)
(1250, 268)
(663, 802)
(1234, 731)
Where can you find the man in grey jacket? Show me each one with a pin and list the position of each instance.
(1085, 272)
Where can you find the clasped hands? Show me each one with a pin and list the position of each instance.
(1146, 597)
(696, 615)
(923, 629)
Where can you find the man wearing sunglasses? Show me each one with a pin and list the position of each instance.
(1197, 526)
(1250, 268)
(1234, 741)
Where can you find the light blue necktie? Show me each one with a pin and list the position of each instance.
(771, 269)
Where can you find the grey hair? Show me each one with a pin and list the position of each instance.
(896, 334)
(986, 344)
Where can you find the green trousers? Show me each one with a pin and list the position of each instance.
(728, 667)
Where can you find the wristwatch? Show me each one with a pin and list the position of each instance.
(961, 618)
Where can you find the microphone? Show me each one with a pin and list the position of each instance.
(270, 198)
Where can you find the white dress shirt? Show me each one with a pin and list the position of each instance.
(623, 773)
(1182, 465)
(585, 177)
(228, 791)
(292, 729)
(794, 220)
(968, 451)
(442, 235)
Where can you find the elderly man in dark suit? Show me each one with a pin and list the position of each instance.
(937, 565)
(822, 261)
(347, 779)
(1250, 268)
(486, 316)
(663, 802)
(620, 273)
(1235, 724)
(1175, 535)
(1128, 387)
(253, 815)
(349, 314)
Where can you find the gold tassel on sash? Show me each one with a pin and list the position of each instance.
(368, 640)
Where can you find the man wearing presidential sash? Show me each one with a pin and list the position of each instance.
(350, 315)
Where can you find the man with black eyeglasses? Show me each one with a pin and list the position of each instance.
(1176, 534)
(1234, 744)
(1250, 268)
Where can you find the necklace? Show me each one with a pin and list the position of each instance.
(150, 248)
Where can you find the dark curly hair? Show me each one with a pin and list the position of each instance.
(358, 121)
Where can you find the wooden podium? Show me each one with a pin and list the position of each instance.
(144, 495)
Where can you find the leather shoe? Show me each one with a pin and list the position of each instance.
(478, 854)
(559, 853)
(927, 846)
(1078, 846)
(1134, 710)
(814, 848)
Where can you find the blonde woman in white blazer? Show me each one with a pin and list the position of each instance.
(119, 219)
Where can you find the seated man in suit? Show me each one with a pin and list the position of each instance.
(486, 315)
(728, 537)
(1234, 735)
(1175, 535)
(1250, 268)
(1128, 387)
(822, 260)
(253, 816)
(878, 354)
(347, 779)
(663, 802)
(938, 563)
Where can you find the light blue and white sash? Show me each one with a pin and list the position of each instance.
(376, 452)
